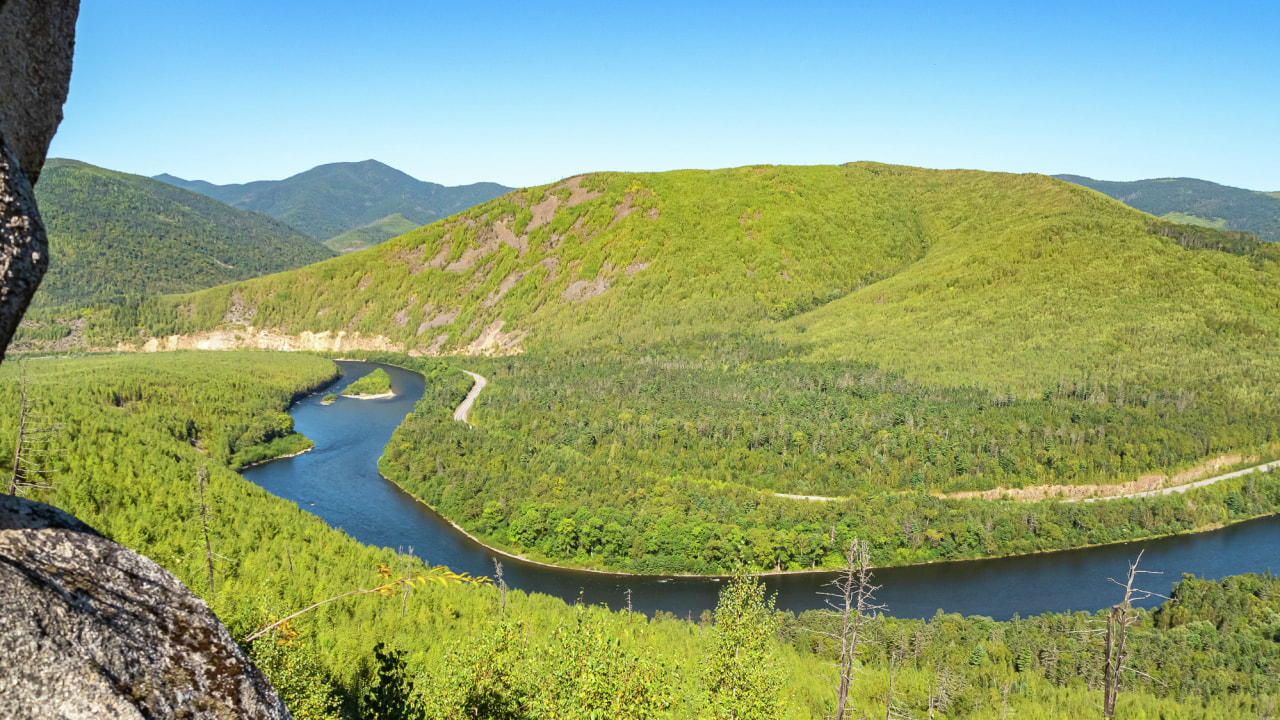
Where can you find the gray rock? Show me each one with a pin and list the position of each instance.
(37, 38)
(24, 247)
(91, 629)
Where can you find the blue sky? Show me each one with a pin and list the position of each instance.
(528, 93)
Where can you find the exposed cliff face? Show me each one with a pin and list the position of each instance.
(91, 629)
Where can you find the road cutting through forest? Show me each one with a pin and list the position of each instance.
(463, 409)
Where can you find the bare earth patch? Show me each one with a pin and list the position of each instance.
(495, 342)
(401, 318)
(504, 287)
(365, 282)
(412, 257)
(252, 338)
(1145, 483)
(583, 290)
(238, 313)
(543, 212)
(506, 237)
(577, 193)
(622, 210)
(634, 268)
(444, 317)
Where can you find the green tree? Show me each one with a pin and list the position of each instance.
(741, 675)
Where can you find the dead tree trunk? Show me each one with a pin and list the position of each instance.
(851, 602)
(202, 476)
(1119, 619)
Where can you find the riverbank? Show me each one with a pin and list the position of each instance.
(370, 397)
(273, 459)
(815, 571)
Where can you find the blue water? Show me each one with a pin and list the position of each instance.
(339, 482)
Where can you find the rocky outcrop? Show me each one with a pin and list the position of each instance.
(37, 38)
(24, 247)
(91, 629)
(36, 42)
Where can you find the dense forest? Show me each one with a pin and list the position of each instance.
(134, 431)
(654, 462)
(115, 234)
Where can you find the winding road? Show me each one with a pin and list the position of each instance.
(1183, 488)
(1266, 467)
(461, 413)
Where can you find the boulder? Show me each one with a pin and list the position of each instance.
(91, 629)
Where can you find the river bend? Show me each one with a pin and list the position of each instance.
(339, 482)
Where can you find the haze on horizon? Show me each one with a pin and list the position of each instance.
(525, 94)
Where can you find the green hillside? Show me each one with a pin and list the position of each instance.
(329, 200)
(114, 234)
(691, 344)
(1196, 201)
(1053, 272)
(369, 235)
(134, 430)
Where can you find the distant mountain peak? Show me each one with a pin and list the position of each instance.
(335, 198)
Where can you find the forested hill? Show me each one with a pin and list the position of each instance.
(1199, 202)
(113, 233)
(329, 200)
(1010, 280)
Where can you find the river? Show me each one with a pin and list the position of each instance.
(339, 482)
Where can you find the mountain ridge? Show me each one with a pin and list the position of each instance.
(626, 259)
(113, 233)
(1200, 202)
(331, 199)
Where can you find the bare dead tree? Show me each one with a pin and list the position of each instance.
(894, 709)
(852, 602)
(628, 606)
(404, 572)
(502, 587)
(1120, 618)
(202, 477)
(34, 443)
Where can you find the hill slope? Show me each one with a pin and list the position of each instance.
(701, 347)
(329, 200)
(1196, 201)
(372, 234)
(617, 258)
(113, 233)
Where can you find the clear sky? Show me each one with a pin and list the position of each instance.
(527, 93)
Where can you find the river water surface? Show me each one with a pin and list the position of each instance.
(339, 482)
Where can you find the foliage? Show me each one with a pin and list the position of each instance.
(112, 233)
(668, 460)
(329, 200)
(375, 383)
(134, 427)
(1014, 283)
(741, 675)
